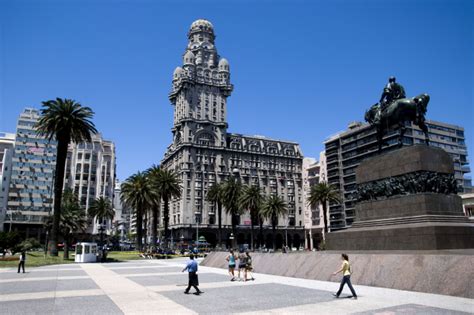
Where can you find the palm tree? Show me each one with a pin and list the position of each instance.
(138, 194)
(168, 185)
(73, 219)
(252, 200)
(273, 208)
(231, 193)
(215, 195)
(153, 173)
(102, 210)
(323, 193)
(65, 121)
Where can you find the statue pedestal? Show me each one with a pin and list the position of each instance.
(408, 204)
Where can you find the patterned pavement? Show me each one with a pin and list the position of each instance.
(156, 287)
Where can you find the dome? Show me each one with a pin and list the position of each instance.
(177, 72)
(188, 57)
(200, 25)
(223, 65)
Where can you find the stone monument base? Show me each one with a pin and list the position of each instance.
(417, 236)
(408, 203)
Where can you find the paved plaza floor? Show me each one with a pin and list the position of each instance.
(156, 287)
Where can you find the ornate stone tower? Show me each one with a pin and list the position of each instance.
(200, 90)
(203, 153)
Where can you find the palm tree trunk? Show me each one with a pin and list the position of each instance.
(261, 232)
(58, 191)
(274, 235)
(219, 219)
(145, 230)
(139, 229)
(154, 227)
(251, 231)
(66, 248)
(166, 218)
(325, 217)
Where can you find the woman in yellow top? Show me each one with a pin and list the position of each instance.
(346, 272)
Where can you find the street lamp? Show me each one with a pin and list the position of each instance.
(197, 231)
(231, 238)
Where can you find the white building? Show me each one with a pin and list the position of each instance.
(90, 173)
(7, 146)
(314, 172)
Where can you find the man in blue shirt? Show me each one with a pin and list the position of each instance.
(192, 268)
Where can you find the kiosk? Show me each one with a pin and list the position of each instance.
(86, 252)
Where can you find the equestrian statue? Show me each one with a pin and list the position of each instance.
(395, 109)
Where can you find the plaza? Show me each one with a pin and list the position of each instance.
(156, 287)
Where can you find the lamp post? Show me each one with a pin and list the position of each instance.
(197, 231)
(182, 242)
(231, 238)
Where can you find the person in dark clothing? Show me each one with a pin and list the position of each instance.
(192, 268)
(21, 264)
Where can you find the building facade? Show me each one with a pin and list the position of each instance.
(30, 196)
(90, 173)
(29, 191)
(204, 153)
(7, 146)
(121, 222)
(345, 150)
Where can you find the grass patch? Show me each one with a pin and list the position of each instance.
(118, 256)
(35, 259)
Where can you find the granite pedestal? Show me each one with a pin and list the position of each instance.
(420, 213)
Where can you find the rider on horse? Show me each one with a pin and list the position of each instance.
(392, 92)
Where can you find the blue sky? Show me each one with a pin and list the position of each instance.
(302, 70)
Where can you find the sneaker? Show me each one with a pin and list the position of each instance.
(354, 297)
(186, 292)
(233, 279)
(335, 295)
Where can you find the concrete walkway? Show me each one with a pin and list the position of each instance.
(156, 287)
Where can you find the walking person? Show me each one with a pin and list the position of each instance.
(242, 265)
(21, 263)
(192, 268)
(231, 259)
(248, 267)
(346, 276)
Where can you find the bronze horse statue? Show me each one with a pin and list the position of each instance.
(397, 113)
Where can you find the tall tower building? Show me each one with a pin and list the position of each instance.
(204, 153)
(30, 197)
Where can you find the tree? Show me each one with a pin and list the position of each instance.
(65, 121)
(153, 174)
(273, 208)
(215, 195)
(231, 194)
(252, 200)
(73, 219)
(137, 193)
(168, 185)
(101, 209)
(323, 193)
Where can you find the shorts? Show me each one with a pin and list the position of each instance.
(249, 267)
(231, 266)
(242, 266)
